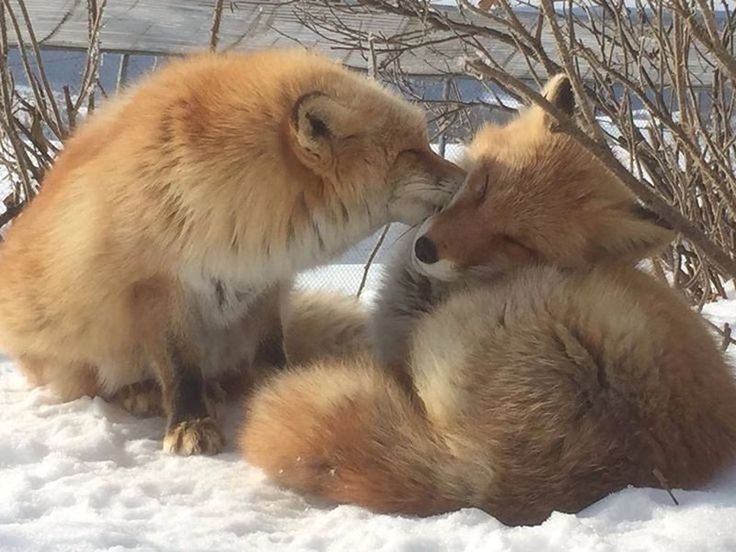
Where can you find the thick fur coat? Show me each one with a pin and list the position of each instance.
(176, 216)
(545, 371)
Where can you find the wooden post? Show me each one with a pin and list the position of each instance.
(445, 96)
(123, 71)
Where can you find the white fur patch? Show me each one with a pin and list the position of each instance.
(444, 269)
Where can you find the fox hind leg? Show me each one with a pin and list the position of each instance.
(68, 381)
(142, 398)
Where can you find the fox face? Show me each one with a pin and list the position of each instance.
(534, 196)
(374, 148)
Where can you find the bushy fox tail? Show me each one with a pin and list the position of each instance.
(320, 325)
(347, 432)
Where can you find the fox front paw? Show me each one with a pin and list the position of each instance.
(202, 436)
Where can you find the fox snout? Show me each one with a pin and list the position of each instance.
(448, 179)
(423, 183)
(427, 257)
(425, 250)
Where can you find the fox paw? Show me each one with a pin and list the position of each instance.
(202, 436)
(140, 398)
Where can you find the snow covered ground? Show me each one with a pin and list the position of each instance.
(85, 476)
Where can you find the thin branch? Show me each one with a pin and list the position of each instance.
(215, 29)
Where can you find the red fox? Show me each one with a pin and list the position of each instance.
(546, 371)
(176, 216)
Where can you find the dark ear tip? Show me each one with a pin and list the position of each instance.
(559, 82)
(558, 91)
(565, 97)
(565, 86)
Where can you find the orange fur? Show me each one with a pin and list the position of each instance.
(177, 215)
(320, 325)
(550, 372)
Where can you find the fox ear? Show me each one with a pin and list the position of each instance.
(558, 91)
(633, 234)
(317, 120)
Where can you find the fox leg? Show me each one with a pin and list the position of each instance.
(191, 427)
(270, 351)
(143, 398)
(68, 381)
(166, 324)
(268, 311)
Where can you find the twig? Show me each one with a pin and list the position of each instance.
(215, 30)
(122, 71)
(663, 482)
(372, 256)
(726, 336)
(11, 211)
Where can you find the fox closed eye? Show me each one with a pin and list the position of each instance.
(513, 241)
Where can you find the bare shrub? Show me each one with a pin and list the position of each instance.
(654, 80)
(35, 121)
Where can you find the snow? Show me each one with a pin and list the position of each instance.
(724, 311)
(5, 188)
(343, 278)
(86, 476)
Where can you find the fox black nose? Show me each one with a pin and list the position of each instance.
(425, 250)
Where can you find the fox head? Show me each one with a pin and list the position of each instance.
(372, 146)
(534, 196)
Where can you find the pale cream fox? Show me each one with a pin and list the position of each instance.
(546, 371)
(166, 234)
